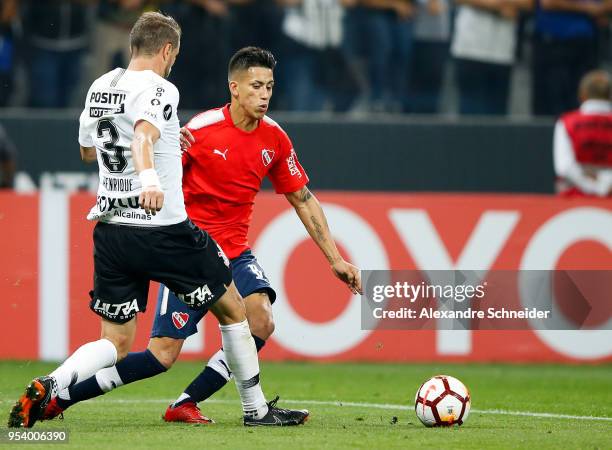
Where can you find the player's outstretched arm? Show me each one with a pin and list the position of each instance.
(312, 216)
(145, 136)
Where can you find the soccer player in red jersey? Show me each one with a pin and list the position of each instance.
(581, 147)
(227, 153)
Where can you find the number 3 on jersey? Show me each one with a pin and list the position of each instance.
(115, 163)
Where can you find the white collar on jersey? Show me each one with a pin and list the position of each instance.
(596, 106)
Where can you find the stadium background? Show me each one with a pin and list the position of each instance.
(47, 263)
(478, 190)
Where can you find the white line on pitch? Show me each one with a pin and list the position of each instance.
(387, 406)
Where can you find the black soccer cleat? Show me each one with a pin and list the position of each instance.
(278, 417)
(32, 403)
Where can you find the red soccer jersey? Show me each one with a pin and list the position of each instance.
(223, 171)
(591, 136)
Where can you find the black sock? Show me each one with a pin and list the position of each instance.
(84, 390)
(134, 367)
(138, 366)
(210, 381)
(259, 342)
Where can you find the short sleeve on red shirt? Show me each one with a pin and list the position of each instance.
(287, 174)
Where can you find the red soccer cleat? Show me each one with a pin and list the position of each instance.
(52, 411)
(28, 408)
(187, 412)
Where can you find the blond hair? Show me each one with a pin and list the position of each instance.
(152, 31)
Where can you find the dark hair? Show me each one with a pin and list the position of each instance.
(251, 57)
(152, 31)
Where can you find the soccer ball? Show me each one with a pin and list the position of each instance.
(442, 401)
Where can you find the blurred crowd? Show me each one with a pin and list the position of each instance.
(340, 55)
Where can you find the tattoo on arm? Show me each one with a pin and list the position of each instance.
(319, 236)
(318, 228)
(305, 194)
(312, 217)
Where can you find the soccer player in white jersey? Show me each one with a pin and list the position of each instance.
(130, 126)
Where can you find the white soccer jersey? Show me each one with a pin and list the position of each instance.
(115, 103)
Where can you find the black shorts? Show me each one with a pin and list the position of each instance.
(126, 258)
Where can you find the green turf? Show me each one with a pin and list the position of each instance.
(130, 417)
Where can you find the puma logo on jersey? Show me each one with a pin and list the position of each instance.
(220, 153)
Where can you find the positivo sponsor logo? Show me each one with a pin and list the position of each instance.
(109, 204)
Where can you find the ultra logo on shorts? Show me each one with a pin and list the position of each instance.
(180, 319)
(119, 311)
(197, 298)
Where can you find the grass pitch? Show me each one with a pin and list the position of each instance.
(352, 406)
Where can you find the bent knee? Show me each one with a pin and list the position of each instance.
(166, 359)
(122, 344)
(165, 350)
(263, 327)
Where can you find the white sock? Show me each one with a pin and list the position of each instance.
(241, 354)
(84, 362)
(182, 397)
(108, 379)
(218, 363)
(64, 395)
